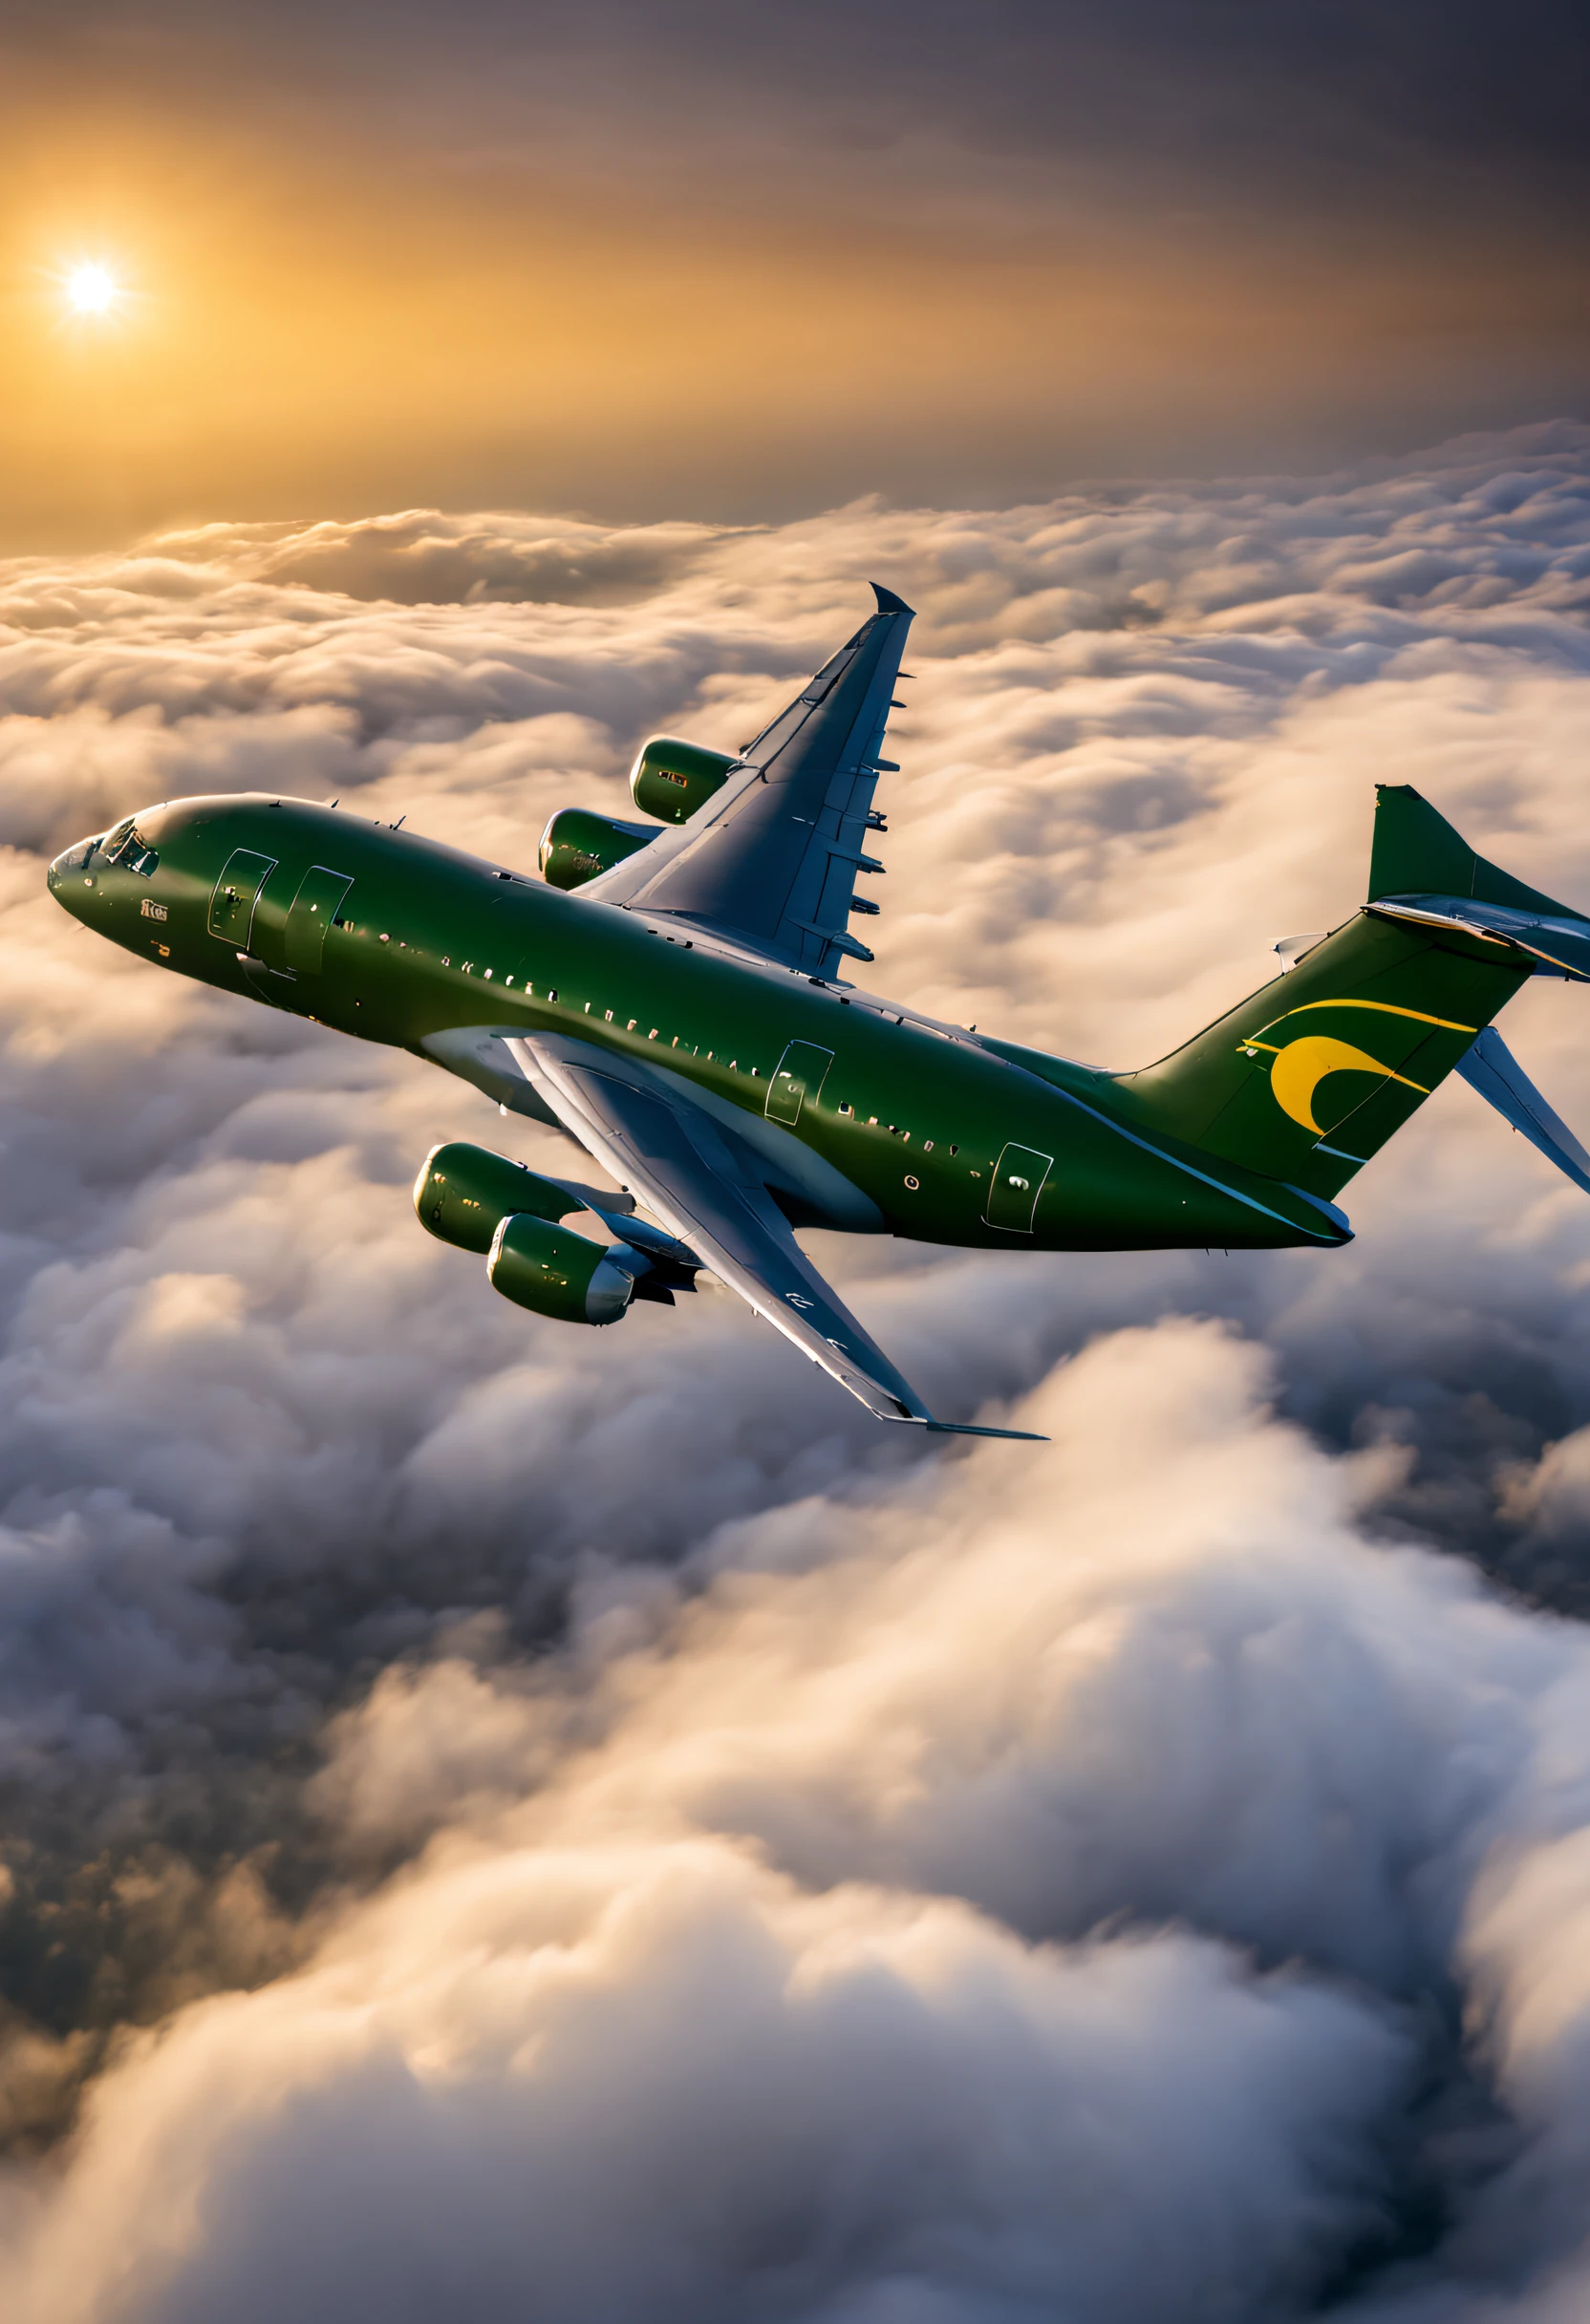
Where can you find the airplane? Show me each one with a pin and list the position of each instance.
(668, 994)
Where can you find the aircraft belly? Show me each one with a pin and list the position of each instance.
(1109, 1196)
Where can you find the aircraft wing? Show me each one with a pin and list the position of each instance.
(772, 860)
(687, 1171)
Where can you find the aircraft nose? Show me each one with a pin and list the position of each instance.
(67, 877)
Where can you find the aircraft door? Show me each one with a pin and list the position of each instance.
(802, 1071)
(1018, 1177)
(236, 892)
(315, 908)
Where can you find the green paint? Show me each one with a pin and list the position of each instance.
(579, 845)
(231, 911)
(463, 1195)
(671, 779)
(321, 895)
(1416, 850)
(798, 1076)
(1372, 987)
(1239, 1139)
(546, 1268)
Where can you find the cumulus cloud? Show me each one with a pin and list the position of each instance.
(486, 1802)
(945, 1913)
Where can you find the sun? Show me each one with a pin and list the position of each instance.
(92, 290)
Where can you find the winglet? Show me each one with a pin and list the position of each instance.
(888, 602)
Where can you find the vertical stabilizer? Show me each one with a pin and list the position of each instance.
(1310, 1076)
(1307, 1079)
(1417, 853)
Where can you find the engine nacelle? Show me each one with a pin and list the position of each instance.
(578, 843)
(552, 1272)
(481, 1201)
(464, 1193)
(671, 779)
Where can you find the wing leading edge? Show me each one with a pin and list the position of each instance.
(686, 1169)
(773, 859)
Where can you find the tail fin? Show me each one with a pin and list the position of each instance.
(1308, 1078)
(1423, 871)
(1417, 853)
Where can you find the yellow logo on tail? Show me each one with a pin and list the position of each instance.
(1301, 1066)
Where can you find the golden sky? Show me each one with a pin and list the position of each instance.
(587, 268)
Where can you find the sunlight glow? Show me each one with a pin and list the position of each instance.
(91, 290)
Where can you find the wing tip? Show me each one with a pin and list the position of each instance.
(915, 1418)
(966, 1427)
(888, 602)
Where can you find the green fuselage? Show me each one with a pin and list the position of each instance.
(423, 940)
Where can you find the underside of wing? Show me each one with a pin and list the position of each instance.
(772, 860)
(695, 1178)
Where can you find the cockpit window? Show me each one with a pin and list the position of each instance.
(127, 846)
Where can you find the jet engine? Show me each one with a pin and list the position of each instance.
(671, 779)
(578, 843)
(481, 1201)
(568, 1277)
(464, 1193)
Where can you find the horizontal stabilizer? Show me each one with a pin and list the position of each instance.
(1491, 1067)
(1422, 869)
(1560, 940)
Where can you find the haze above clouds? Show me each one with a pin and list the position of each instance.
(634, 259)
(496, 1811)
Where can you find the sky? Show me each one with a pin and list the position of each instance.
(501, 1819)
(738, 264)
(496, 1812)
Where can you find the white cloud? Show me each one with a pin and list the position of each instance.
(852, 1885)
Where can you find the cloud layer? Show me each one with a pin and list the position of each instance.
(489, 1806)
